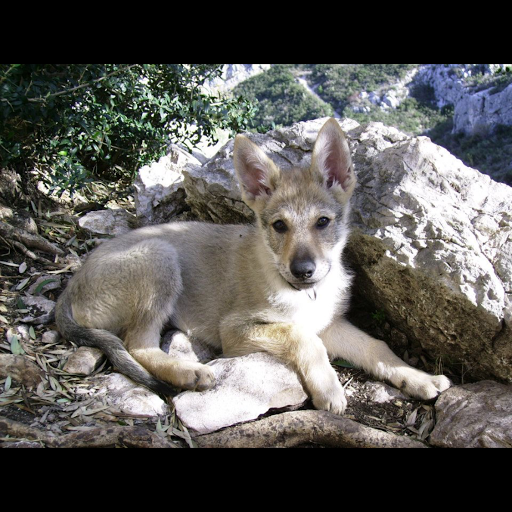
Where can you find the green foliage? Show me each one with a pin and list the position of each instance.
(496, 82)
(280, 100)
(74, 121)
(489, 153)
(338, 82)
(412, 116)
(379, 316)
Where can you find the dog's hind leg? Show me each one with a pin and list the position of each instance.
(131, 290)
(158, 294)
(144, 347)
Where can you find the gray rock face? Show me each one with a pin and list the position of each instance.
(233, 74)
(474, 416)
(474, 112)
(480, 112)
(432, 247)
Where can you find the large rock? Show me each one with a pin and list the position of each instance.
(482, 111)
(432, 238)
(474, 416)
(245, 388)
(433, 248)
(212, 189)
(159, 192)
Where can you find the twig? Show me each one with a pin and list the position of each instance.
(96, 437)
(33, 256)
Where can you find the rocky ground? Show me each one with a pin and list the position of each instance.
(440, 220)
(41, 404)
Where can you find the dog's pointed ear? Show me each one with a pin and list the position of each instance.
(331, 158)
(257, 174)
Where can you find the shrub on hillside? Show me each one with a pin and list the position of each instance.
(72, 121)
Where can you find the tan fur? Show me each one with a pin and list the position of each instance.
(279, 286)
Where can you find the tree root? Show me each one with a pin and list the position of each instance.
(29, 240)
(286, 430)
(96, 437)
(297, 428)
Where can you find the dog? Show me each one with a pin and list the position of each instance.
(278, 286)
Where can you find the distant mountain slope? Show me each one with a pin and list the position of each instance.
(417, 99)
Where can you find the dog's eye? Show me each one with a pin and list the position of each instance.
(279, 226)
(322, 222)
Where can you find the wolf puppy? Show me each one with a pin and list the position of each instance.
(278, 287)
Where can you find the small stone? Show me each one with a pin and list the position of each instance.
(383, 393)
(127, 397)
(50, 337)
(21, 370)
(108, 222)
(39, 308)
(84, 361)
(51, 282)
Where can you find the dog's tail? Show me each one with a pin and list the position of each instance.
(110, 344)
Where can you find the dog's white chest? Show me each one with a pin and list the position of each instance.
(312, 308)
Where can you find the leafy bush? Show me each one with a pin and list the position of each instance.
(489, 153)
(412, 116)
(338, 82)
(280, 100)
(71, 121)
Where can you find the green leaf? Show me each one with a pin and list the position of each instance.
(42, 284)
(7, 384)
(16, 348)
(342, 363)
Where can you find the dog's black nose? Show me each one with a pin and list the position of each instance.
(303, 269)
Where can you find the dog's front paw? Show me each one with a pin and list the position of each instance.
(421, 385)
(331, 399)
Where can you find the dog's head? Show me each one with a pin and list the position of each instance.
(302, 211)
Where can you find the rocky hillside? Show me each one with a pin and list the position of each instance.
(431, 253)
(466, 108)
